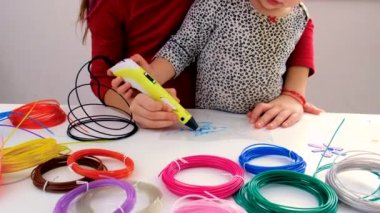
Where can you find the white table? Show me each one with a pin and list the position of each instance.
(152, 150)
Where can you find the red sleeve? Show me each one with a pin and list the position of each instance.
(303, 54)
(106, 26)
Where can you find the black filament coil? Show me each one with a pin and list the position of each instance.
(85, 124)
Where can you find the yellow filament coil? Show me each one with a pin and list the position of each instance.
(30, 154)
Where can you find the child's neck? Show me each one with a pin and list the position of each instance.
(278, 12)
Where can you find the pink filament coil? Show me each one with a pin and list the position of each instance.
(220, 191)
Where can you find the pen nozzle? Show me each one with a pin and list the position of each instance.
(192, 124)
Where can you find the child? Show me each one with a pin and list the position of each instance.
(241, 48)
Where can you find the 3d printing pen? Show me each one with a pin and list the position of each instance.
(142, 81)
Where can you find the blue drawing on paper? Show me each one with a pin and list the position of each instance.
(204, 128)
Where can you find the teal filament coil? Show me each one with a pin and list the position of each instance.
(251, 199)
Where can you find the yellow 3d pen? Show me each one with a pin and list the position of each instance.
(142, 81)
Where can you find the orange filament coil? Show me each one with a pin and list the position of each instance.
(96, 174)
(30, 154)
(44, 113)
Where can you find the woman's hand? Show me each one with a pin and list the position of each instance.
(283, 111)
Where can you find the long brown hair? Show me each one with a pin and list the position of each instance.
(82, 18)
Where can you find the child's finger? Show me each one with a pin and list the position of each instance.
(279, 119)
(150, 113)
(154, 124)
(140, 61)
(109, 73)
(258, 111)
(145, 104)
(173, 93)
(116, 82)
(124, 87)
(310, 108)
(166, 108)
(292, 119)
(267, 117)
(128, 95)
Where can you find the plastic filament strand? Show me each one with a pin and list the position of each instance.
(26, 130)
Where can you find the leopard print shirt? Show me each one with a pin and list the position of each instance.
(241, 54)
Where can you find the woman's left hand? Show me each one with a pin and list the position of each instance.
(284, 111)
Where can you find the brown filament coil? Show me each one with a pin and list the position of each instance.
(50, 186)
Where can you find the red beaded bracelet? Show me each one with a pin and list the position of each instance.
(97, 174)
(294, 94)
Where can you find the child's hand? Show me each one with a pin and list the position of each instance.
(152, 114)
(283, 111)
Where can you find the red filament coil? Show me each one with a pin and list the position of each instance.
(45, 113)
